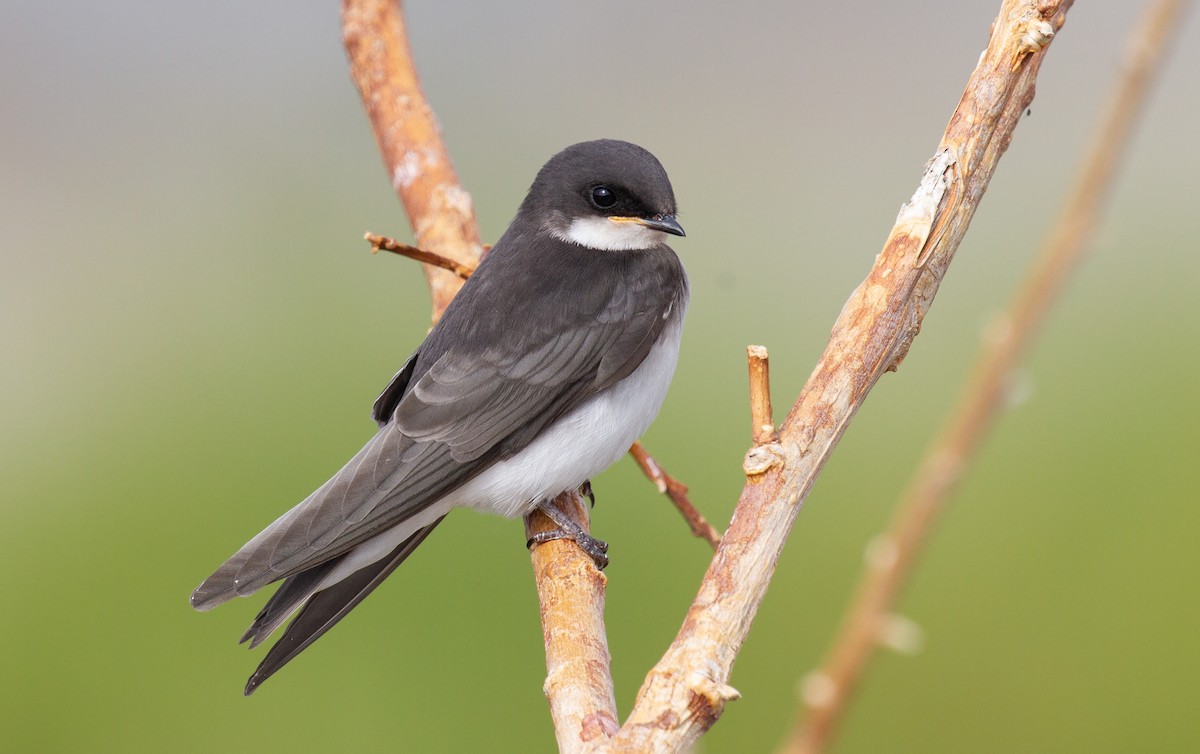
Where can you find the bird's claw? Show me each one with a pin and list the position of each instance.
(596, 549)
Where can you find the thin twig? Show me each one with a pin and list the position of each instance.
(383, 243)
(891, 555)
(687, 690)
(676, 492)
(409, 138)
(762, 417)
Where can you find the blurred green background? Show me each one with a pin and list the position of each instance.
(192, 333)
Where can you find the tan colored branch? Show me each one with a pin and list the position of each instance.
(762, 417)
(409, 138)
(891, 556)
(383, 243)
(686, 691)
(676, 492)
(571, 592)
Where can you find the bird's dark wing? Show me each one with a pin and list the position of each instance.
(387, 401)
(496, 370)
(329, 606)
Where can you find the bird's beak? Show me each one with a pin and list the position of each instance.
(665, 223)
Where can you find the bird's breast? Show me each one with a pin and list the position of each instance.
(583, 442)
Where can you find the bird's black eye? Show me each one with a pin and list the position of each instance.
(603, 197)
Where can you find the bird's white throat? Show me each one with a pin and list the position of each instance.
(608, 235)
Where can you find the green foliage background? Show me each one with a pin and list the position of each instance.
(192, 333)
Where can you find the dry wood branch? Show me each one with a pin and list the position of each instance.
(686, 691)
(439, 210)
(571, 594)
(762, 417)
(892, 554)
(383, 243)
(676, 492)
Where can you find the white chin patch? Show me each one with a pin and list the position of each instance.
(606, 235)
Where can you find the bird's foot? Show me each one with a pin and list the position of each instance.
(596, 549)
(585, 489)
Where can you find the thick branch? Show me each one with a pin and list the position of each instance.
(571, 592)
(892, 554)
(685, 692)
(439, 210)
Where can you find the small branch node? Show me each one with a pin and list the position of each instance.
(818, 690)
(715, 691)
(660, 483)
(708, 698)
(1019, 388)
(901, 634)
(649, 467)
(762, 458)
(1036, 33)
(882, 553)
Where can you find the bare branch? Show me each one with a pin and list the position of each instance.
(686, 691)
(571, 592)
(676, 492)
(409, 138)
(383, 243)
(762, 417)
(892, 554)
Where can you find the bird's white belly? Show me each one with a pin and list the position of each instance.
(572, 450)
(581, 444)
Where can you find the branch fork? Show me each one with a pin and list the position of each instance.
(686, 691)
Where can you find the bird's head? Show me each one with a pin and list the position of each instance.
(607, 195)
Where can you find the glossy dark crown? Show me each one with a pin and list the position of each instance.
(565, 182)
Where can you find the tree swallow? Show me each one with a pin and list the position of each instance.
(553, 358)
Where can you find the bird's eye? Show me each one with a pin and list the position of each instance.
(603, 197)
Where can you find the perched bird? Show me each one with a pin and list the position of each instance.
(552, 359)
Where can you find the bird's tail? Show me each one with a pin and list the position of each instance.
(322, 610)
